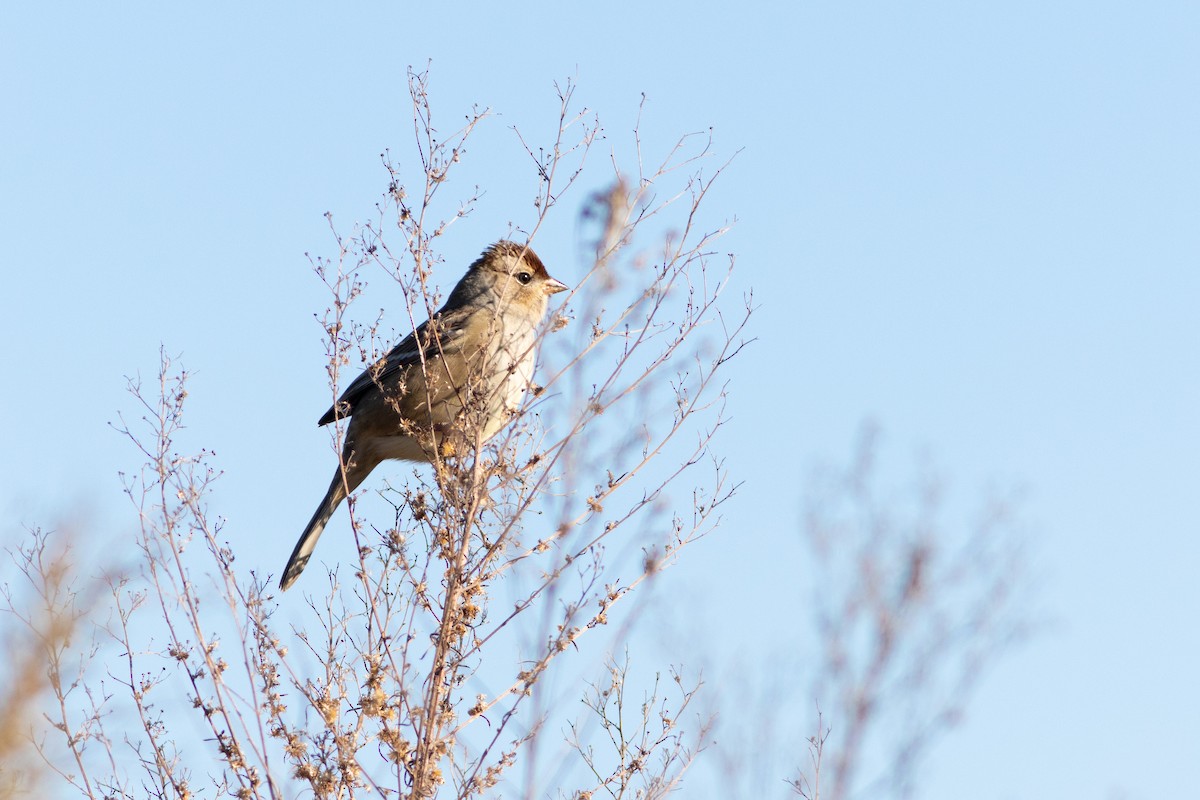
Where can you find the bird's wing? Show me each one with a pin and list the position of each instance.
(388, 369)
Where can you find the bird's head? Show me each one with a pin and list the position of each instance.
(515, 276)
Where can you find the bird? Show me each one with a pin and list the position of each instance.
(460, 375)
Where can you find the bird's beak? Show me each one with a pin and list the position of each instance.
(555, 286)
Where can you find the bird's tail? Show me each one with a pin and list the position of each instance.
(308, 540)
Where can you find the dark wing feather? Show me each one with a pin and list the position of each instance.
(387, 369)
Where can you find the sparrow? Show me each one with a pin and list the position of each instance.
(463, 372)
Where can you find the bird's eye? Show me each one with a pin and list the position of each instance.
(524, 277)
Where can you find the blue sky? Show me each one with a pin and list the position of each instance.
(974, 224)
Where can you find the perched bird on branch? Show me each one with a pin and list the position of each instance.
(454, 381)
